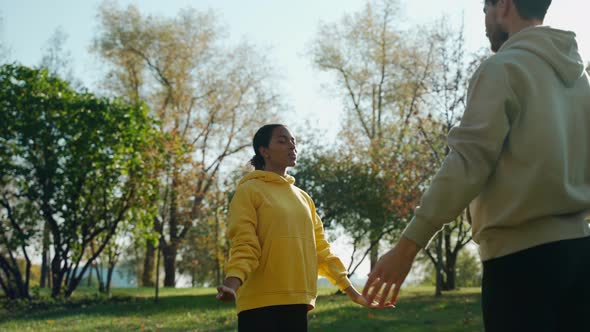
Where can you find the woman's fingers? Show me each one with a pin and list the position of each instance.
(225, 294)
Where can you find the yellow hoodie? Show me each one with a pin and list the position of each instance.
(278, 246)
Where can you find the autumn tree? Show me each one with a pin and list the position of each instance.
(207, 248)
(56, 58)
(380, 72)
(447, 100)
(208, 99)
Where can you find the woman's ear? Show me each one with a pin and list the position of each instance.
(263, 152)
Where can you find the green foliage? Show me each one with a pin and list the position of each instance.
(346, 192)
(78, 162)
(368, 205)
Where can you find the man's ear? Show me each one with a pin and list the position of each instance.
(504, 7)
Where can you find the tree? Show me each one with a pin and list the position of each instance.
(130, 234)
(4, 49)
(447, 98)
(207, 248)
(347, 193)
(207, 98)
(468, 271)
(73, 161)
(56, 58)
(57, 61)
(381, 77)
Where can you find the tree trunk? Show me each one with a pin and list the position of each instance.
(147, 278)
(450, 283)
(8, 290)
(374, 256)
(451, 273)
(90, 277)
(439, 284)
(57, 274)
(110, 271)
(439, 266)
(112, 256)
(12, 284)
(44, 282)
(217, 262)
(169, 250)
(99, 278)
(158, 268)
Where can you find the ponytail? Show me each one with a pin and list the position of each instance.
(257, 161)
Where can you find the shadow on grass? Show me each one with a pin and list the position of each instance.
(133, 306)
(449, 313)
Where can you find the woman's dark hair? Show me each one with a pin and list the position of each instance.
(529, 9)
(262, 138)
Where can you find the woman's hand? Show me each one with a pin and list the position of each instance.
(227, 291)
(358, 298)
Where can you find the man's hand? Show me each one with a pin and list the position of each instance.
(390, 271)
(358, 298)
(227, 291)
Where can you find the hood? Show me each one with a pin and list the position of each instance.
(267, 177)
(557, 47)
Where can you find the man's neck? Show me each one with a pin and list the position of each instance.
(521, 25)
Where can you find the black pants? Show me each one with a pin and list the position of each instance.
(545, 288)
(288, 318)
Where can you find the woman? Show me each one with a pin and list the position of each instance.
(278, 246)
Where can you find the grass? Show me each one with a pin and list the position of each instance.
(197, 310)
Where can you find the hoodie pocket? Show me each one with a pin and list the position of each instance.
(291, 266)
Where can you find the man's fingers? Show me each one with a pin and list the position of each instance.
(369, 283)
(385, 294)
(376, 287)
(395, 293)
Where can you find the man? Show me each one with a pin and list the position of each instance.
(521, 159)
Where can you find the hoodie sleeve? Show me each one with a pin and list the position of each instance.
(245, 247)
(329, 265)
(475, 147)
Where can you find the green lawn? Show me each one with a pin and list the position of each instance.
(197, 310)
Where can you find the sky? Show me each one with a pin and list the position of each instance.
(282, 28)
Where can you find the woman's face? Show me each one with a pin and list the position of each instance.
(282, 149)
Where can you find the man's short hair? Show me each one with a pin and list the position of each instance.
(529, 9)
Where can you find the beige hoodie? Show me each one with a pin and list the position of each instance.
(521, 155)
